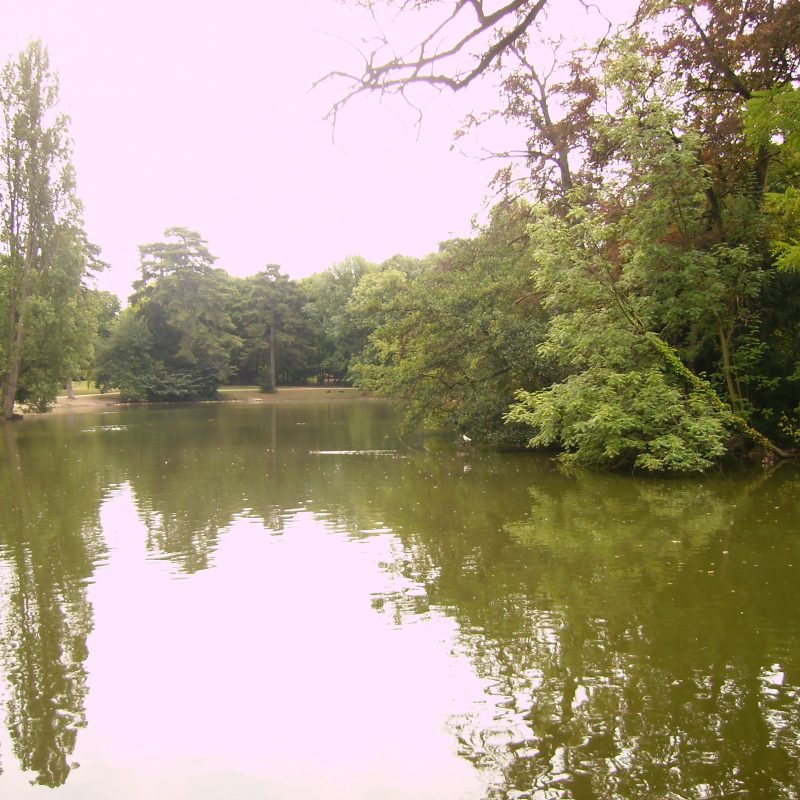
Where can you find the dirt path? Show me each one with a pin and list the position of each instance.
(295, 394)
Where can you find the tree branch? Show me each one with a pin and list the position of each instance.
(425, 64)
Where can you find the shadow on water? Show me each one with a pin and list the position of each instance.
(636, 638)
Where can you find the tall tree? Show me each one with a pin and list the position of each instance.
(652, 255)
(276, 337)
(185, 303)
(629, 274)
(125, 361)
(731, 60)
(44, 256)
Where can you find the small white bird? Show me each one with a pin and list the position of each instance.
(465, 437)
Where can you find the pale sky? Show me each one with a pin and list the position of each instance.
(198, 113)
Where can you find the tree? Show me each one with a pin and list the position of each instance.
(635, 261)
(124, 361)
(738, 64)
(63, 326)
(668, 228)
(338, 336)
(276, 337)
(454, 341)
(104, 308)
(44, 255)
(185, 304)
(723, 54)
(772, 120)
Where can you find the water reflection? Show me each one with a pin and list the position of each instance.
(359, 615)
(270, 666)
(639, 639)
(49, 541)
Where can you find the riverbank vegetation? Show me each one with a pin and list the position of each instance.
(633, 299)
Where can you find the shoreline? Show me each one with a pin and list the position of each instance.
(88, 403)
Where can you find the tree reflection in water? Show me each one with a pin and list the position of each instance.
(49, 542)
(637, 637)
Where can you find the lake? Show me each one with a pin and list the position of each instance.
(265, 601)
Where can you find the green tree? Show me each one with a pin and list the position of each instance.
(124, 360)
(454, 341)
(186, 305)
(772, 121)
(337, 335)
(670, 326)
(276, 336)
(44, 255)
(103, 308)
(737, 64)
(637, 259)
(64, 328)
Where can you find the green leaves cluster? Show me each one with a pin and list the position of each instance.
(338, 335)
(274, 329)
(772, 122)
(639, 310)
(455, 339)
(175, 342)
(191, 326)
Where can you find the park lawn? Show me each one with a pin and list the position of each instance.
(81, 388)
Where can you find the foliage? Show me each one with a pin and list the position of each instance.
(337, 334)
(633, 259)
(275, 333)
(127, 362)
(124, 362)
(47, 324)
(265, 382)
(639, 311)
(456, 340)
(185, 305)
(635, 418)
(773, 123)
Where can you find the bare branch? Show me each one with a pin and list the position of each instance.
(427, 63)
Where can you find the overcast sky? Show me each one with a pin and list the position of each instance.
(198, 113)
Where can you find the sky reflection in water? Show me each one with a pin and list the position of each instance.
(268, 671)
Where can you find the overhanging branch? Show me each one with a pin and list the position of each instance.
(427, 62)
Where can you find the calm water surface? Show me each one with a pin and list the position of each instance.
(300, 602)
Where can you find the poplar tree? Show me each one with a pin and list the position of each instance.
(44, 255)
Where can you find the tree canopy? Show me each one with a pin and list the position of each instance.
(661, 161)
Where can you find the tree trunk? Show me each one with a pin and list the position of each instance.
(11, 378)
(273, 366)
(16, 330)
(678, 368)
(727, 369)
